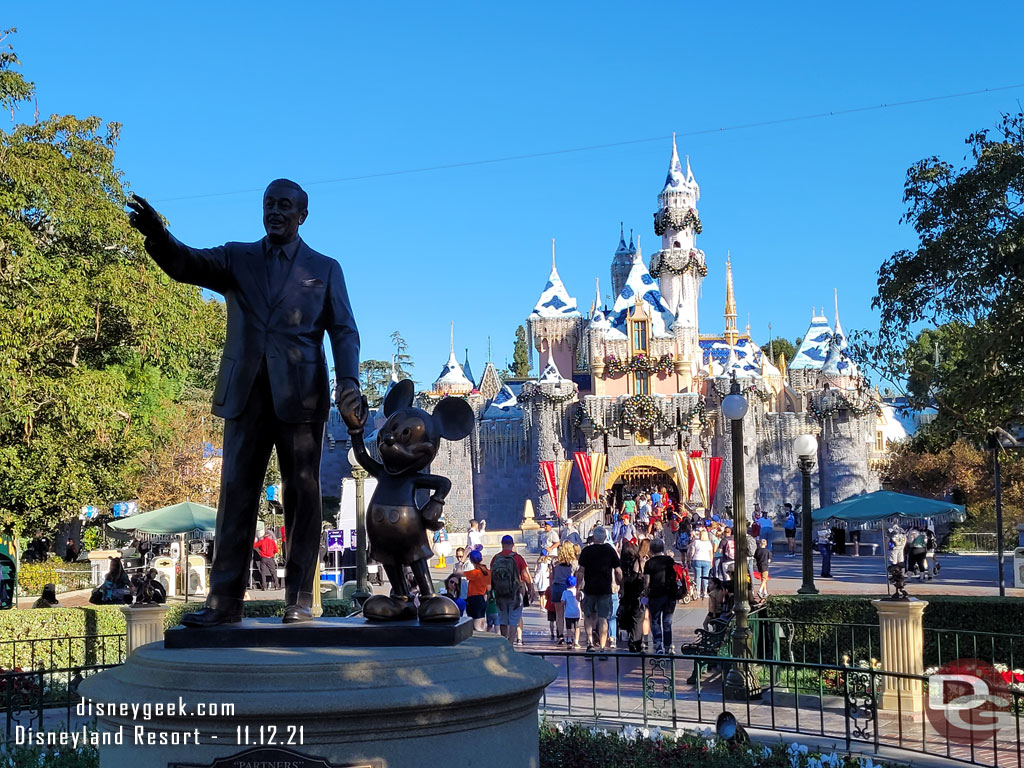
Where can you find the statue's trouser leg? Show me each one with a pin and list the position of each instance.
(298, 450)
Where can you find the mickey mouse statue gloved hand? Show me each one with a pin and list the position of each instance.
(397, 528)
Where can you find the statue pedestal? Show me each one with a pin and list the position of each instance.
(145, 624)
(380, 707)
(902, 636)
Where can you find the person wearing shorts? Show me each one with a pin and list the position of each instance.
(478, 579)
(599, 565)
(572, 613)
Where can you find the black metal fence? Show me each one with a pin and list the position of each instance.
(852, 706)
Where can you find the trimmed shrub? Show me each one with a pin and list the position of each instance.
(945, 618)
(73, 635)
(33, 576)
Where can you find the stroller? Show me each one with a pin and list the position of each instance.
(686, 589)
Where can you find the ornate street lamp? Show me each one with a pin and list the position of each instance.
(806, 449)
(359, 474)
(741, 683)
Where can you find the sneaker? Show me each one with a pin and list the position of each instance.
(561, 641)
(659, 650)
(590, 649)
(611, 646)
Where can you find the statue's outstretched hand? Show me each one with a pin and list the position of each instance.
(354, 409)
(144, 217)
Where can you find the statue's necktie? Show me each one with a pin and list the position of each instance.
(277, 268)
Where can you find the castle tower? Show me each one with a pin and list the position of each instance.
(452, 380)
(680, 266)
(621, 263)
(732, 335)
(555, 323)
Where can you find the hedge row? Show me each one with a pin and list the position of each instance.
(954, 626)
(73, 637)
(32, 577)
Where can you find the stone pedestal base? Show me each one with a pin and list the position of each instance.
(145, 624)
(381, 707)
(902, 640)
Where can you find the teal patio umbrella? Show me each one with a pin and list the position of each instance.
(168, 523)
(874, 510)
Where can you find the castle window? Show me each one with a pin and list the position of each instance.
(641, 383)
(879, 440)
(639, 336)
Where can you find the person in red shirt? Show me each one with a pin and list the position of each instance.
(266, 575)
(510, 577)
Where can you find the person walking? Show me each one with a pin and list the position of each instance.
(598, 566)
(630, 619)
(824, 536)
(266, 575)
(917, 542)
(475, 535)
(762, 558)
(509, 573)
(700, 556)
(564, 568)
(660, 588)
(571, 611)
(789, 528)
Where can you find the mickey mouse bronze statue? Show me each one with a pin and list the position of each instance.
(397, 528)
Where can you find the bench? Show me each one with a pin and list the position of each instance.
(710, 640)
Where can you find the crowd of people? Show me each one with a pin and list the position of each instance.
(616, 589)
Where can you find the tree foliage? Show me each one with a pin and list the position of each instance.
(964, 473)
(778, 347)
(374, 376)
(402, 360)
(97, 346)
(966, 279)
(520, 367)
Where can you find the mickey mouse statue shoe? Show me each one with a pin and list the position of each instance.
(395, 524)
(383, 608)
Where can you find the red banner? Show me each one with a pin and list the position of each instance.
(548, 468)
(583, 463)
(689, 472)
(714, 472)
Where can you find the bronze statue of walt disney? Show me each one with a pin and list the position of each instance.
(396, 526)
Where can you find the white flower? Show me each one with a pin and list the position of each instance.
(832, 760)
(656, 734)
(560, 727)
(766, 751)
(629, 732)
(813, 762)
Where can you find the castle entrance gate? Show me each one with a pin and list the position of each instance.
(641, 473)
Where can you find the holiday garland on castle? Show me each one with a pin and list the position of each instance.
(642, 412)
(429, 399)
(837, 402)
(674, 218)
(638, 363)
(674, 261)
(532, 391)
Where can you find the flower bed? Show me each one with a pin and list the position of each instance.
(572, 745)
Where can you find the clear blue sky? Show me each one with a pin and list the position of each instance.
(218, 97)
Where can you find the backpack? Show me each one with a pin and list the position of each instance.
(683, 540)
(505, 577)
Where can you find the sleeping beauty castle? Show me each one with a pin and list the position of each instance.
(629, 396)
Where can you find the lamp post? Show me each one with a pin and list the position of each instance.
(741, 682)
(359, 474)
(1000, 439)
(806, 448)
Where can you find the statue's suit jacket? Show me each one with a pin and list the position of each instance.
(283, 324)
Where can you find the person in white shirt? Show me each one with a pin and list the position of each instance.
(475, 535)
(571, 604)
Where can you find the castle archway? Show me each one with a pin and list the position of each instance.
(638, 473)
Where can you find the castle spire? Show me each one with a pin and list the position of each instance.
(553, 270)
(838, 334)
(731, 333)
(451, 342)
(676, 178)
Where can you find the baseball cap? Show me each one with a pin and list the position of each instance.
(476, 556)
(507, 540)
(571, 581)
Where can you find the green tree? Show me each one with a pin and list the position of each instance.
(374, 376)
(520, 367)
(97, 346)
(403, 361)
(778, 347)
(965, 278)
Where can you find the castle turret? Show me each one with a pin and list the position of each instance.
(452, 380)
(555, 324)
(680, 266)
(621, 262)
(732, 335)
